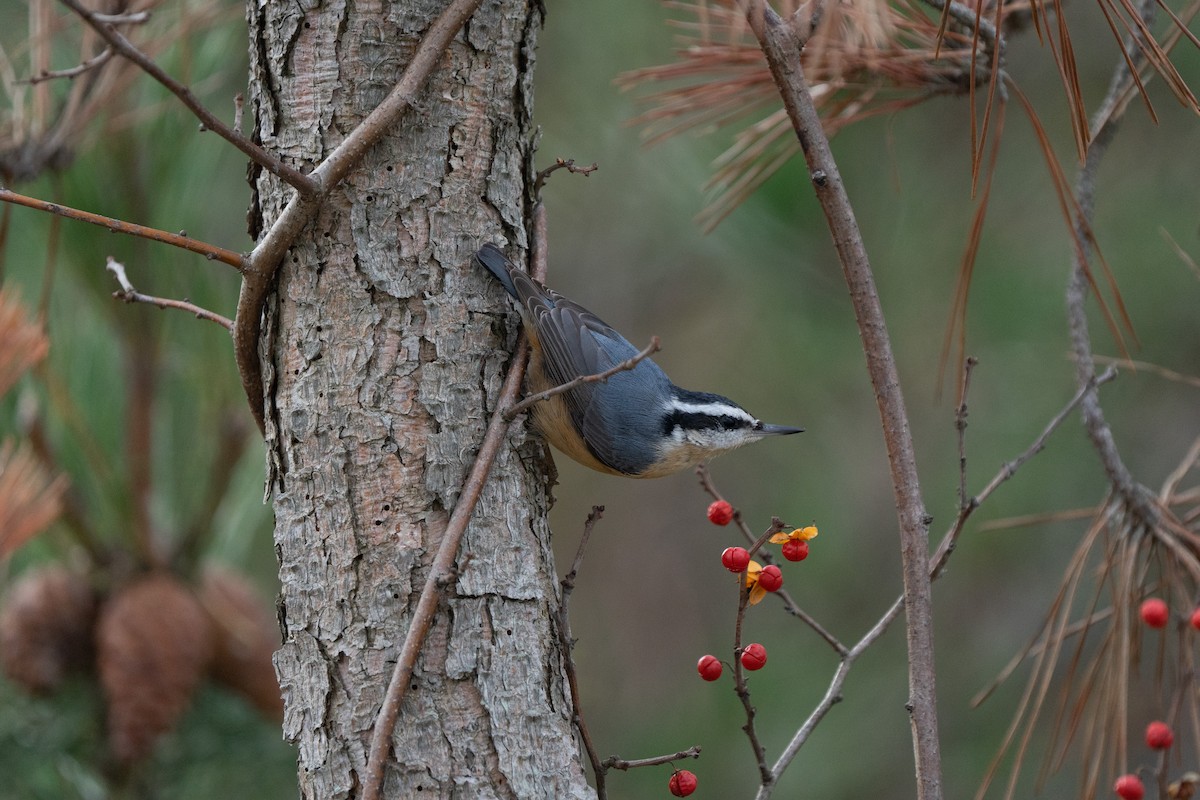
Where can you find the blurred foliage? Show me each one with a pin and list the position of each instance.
(756, 310)
(141, 159)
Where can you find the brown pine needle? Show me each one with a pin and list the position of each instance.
(30, 499)
(25, 343)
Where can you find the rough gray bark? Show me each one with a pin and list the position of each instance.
(383, 352)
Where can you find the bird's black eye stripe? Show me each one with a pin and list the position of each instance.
(692, 421)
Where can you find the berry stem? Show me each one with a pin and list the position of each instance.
(739, 673)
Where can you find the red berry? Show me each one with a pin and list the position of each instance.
(770, 578)
(754, 656)
(795, 549)
(735, 559)
(682, 783)
(709, 667)
(1154, 613)
(720, 513)
(1129, 787)
(1196, 619)
(1159, 735)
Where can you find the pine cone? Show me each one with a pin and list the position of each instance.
(246, 635)
(46, 627)
(153, 645)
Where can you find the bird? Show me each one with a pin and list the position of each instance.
(637, 423)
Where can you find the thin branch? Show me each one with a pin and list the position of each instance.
(782, 45)
(936, 565)
(561, 163)
(566, 644)
(1103, 129)
(209, 251)
(612, 762)
(1007, 471)
(740, 688)
(960, 425)
(832, 696)
(54, 74)
(268, 161)
(264, 260)
(135, 18)
(131, 295)
(600, 377)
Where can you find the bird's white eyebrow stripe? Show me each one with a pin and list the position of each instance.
(711, 409)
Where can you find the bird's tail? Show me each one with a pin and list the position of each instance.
(498, 264)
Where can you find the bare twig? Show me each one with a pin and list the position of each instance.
(781, 45)
(131, 295)
(832, 696)
(739, 675)
(134, 18)
(209, 251)
(600, 377)
(936, 565)
(613, 762)
(960, 425)
(118, 42)
(1009, 469)
(560, 163)
(258, 278)
(95, 61)
(1104, 125)
(567, 643)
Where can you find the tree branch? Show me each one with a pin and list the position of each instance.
(258, 155)
(781, 45)
(1138, 498)
(600, 377)
(566, 643)
(209, 251)
(766, 778)
(613, 762)
(936, 565)
(131, 295)
(72, 72)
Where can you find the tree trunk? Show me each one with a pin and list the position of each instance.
(383, 352)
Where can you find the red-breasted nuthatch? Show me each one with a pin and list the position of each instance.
(637, 423)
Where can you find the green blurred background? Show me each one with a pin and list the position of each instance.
(756, 310)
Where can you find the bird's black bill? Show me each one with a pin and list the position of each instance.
(767, 429)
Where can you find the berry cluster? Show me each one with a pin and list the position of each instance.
(759, 580)
(1155, 613)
